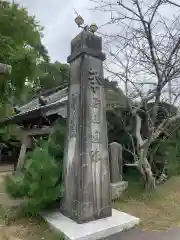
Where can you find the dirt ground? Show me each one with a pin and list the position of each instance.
(29, 231)
(20, 229)
(158, 211)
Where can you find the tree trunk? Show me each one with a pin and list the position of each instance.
(144, 165)
(146, 171)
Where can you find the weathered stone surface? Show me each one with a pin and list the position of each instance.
(117, 189)
(5, 69)
(86, 43)
(86, 159)
(97, 229)
(116, 170)
(116, 162)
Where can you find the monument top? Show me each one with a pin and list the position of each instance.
(86, 39)
(86, 42)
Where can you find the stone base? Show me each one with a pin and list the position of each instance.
(101, 228)
(117, 189)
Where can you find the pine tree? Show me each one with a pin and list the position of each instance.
(41, 179)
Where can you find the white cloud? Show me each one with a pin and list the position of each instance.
(57, 18)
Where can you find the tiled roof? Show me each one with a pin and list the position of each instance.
(55, 102)
(59, 96)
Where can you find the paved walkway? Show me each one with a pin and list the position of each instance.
(137, 234)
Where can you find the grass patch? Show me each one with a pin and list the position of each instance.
(158, 210)
(135, 184)
(14, 222)
(23, 228)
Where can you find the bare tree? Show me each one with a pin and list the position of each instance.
(144, 54)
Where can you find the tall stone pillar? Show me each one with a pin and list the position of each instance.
(86, 161)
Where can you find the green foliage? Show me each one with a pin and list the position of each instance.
(33, 182)
(118, 133)
(41, 179)
(172, 162)
(135, 183)
(15, 185)
(20, 46)
(7, 131)
(158, 154)
(53, 75)
(46, 76)
(174, 149)
(56, 147)
(178, 150)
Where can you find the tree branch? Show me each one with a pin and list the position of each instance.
(155, 10)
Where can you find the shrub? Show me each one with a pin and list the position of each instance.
(174, 152)
(178, 151)
(56, 147)
(157, 155)
(14, 185)
(41, 179)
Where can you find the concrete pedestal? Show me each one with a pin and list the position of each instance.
(93, 230)
(117, 189)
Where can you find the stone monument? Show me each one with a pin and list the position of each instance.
(86, 211)
(115, 155)
(116, 170)
(86, 172)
